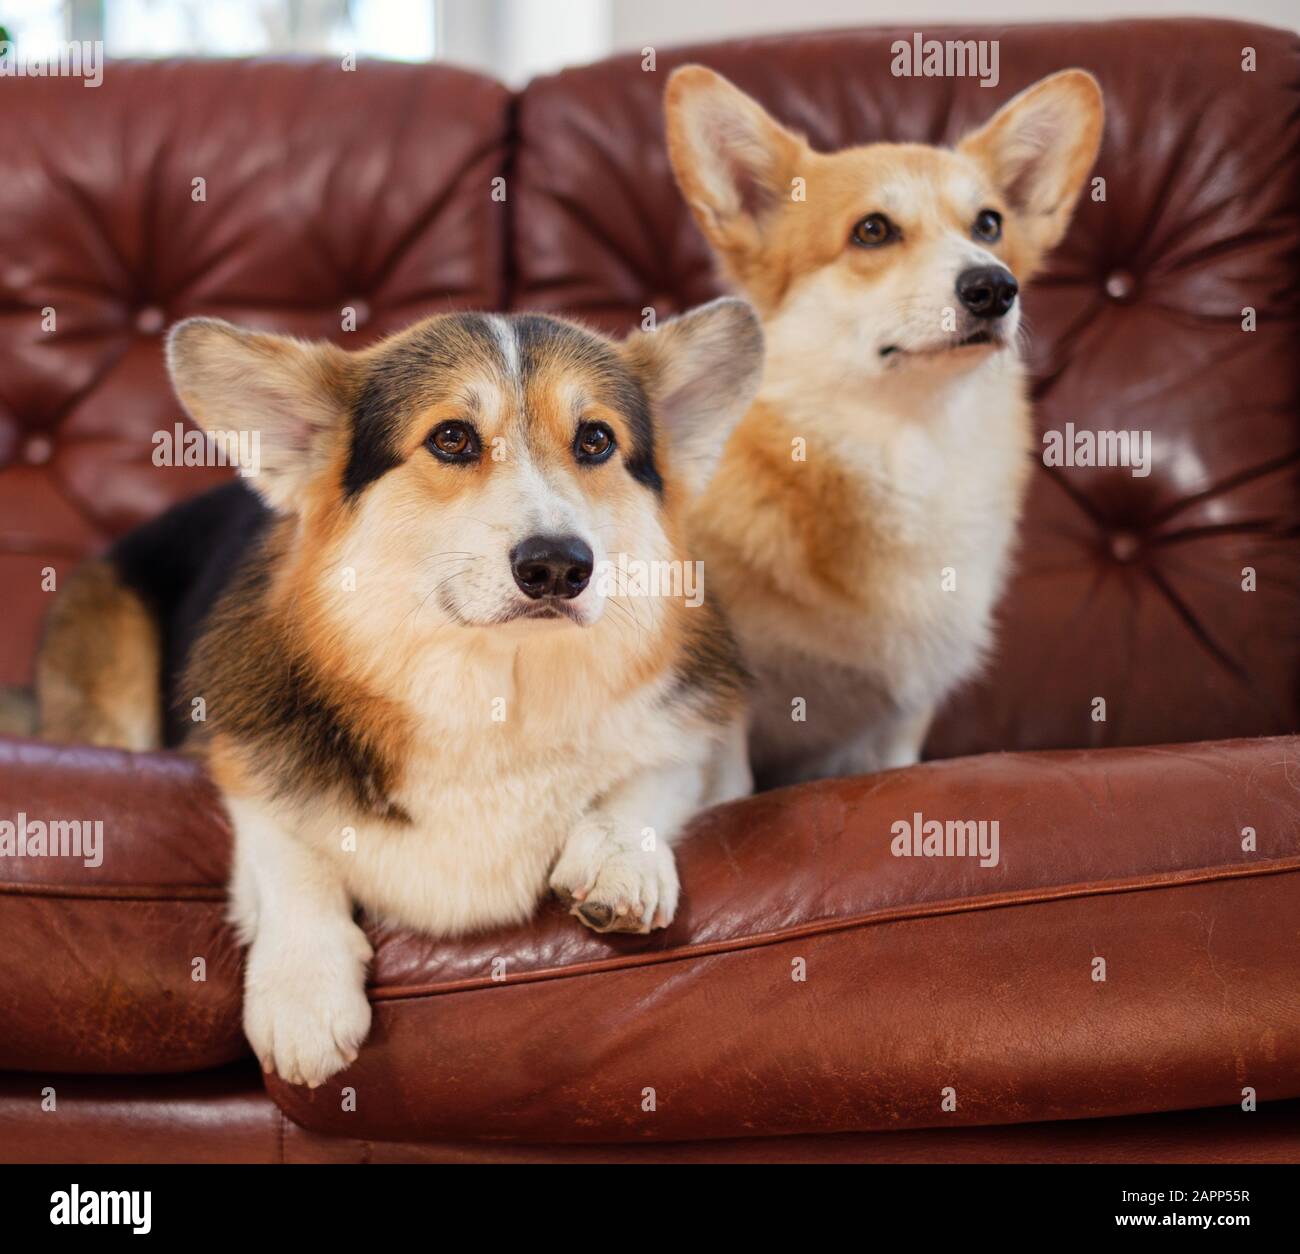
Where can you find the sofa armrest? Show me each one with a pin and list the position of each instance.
(100, 970)
(815, 982)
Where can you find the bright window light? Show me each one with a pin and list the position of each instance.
(399, 30)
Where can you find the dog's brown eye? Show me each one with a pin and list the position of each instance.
(453, 442)
(988, 226)
(875, 229)
(595, 442)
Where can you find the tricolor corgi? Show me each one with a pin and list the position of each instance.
(392, 646)
(859, 525)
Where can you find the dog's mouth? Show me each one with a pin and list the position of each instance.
(976, 339)
(549, 610)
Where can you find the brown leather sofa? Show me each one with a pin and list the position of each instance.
(816, 997)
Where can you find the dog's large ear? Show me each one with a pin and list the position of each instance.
(732, 160)
(701, 372)
(286, 393)
(1039, 147)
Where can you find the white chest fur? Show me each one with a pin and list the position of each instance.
(937, 475)
(498, 777)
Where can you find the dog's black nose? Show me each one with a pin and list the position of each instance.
(552, 566)
(987, 291)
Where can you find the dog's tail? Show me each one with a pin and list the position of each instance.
(17, 711)
(98, 671)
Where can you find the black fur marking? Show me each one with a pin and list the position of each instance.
(179, 564)
(374, 425)
(273, 699)
(541, 339)
(262, 691)
(202, 569)
(407, 374)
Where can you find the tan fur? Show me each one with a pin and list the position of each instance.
(878, 459)
(97, 673)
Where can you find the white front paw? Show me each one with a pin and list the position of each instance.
(305, 1011)
(612, 886)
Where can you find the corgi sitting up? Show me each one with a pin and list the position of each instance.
(859, 525)
(417, 691)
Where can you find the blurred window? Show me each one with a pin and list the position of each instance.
(401, 30)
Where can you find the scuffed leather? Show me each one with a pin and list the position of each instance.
(98, 965)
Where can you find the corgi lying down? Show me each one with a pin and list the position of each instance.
(859, 525)
(410, 689)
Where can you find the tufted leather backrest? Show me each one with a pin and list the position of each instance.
(324, 190)
(1129, 589)
(372, 190)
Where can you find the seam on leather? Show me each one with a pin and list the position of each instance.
(126, 892)
(758, 940)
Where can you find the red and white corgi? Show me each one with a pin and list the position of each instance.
(412, 689)
(860, 522)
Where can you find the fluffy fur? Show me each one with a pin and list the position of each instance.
(392, 721)
(860, 523)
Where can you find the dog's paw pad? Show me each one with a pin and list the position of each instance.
(611, 886)
(595, 914)
(602, 916)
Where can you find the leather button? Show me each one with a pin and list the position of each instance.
(1124, 546)
(38, 450)
(150, 320)
(1121, 286)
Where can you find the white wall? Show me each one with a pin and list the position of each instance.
(517, 39)
(663, 23)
